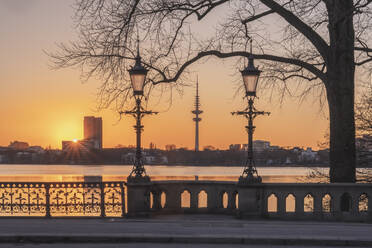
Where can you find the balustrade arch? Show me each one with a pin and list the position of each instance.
(327, 203)
(202, 199)
(308, 203)
(272, 203)
(186, 199)
(363, 203)
(290, 203)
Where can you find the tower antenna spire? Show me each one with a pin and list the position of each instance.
(197, 112)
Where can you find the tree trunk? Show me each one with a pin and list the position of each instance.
(340, 91)
(342, 133)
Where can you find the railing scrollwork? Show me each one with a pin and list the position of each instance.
(77, 199)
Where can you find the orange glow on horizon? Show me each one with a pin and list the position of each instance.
(44, 107)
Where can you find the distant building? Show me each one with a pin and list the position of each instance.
(164, 159)
(36, 149)
(18, 145)
(152, 146)
(149, 159)
(209, 148)
(235, 147)
(170, 147)
(3, 158)
(308, 155)
(93, 130)
(274, 148)
(260, 145)
(296, 149)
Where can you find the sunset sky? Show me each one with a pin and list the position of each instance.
(43, 106)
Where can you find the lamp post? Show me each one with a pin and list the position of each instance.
(250, 79)
(137, 77)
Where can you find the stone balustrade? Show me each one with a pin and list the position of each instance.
(193, 197)
(339, 201)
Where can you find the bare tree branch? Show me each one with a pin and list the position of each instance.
(307, 31)
(256, 17)
(219, 54)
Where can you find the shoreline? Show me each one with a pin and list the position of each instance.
(177, 164)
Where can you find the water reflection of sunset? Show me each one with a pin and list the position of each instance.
(74, 173)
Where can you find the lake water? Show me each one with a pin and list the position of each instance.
(76, 173)
(71, 173)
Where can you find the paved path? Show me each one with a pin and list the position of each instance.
(156, 245)
(180, 231)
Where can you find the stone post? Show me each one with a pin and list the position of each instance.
(194, 200)
(138, 202)
(213, 199)
(249, 200)
(282, 205)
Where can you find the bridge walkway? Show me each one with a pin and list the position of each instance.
(182, 230)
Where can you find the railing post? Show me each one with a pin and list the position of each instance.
(174, 200)
(281, 197)
(317, 204)
(102, 186)
(354, 201)
(138, 202)
(336, 208)
(157, 200)
(249, 200)
(231, 200)
(194, 199)
(122, 200)
(47, 201)
(212, 200)
(299, 203)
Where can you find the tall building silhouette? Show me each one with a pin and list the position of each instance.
(93, 130)
(197, 112)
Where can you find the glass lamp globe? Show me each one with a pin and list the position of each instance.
(250, 78)
(138, 76)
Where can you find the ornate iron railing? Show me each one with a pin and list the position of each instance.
(76, 199)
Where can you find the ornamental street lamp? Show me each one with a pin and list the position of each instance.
(137, 77)
(250, 79)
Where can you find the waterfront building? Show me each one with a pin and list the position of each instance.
(93, 130)
(261, 145)
(3, 158)
(308, 155)
(36, 149)
(18, 145)
(170, 147)
(235, 147)
(258, 146)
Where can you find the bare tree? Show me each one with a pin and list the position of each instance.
(317, 42)
(363, 121)
(363, 112)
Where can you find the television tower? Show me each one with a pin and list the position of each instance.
(197, 112)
